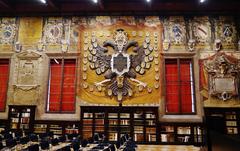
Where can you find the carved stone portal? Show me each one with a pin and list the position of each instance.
(223, 77)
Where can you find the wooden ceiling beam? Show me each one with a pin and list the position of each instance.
(101, 4)
(108, 7)
(4, 3)
(52, 4)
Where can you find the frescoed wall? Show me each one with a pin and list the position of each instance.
(30, 43)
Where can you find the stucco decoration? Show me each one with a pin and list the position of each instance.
(74, 31)
(8, 30)
(223, 76)
(199, 33)
(8, 34)
(26, 76)
(201, 28)
(53, 32)
(174, 33)
(177, 30)
(225, 31)
(191, 45)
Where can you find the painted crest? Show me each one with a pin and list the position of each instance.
(53, 32)
(8, 32)
(227, 32)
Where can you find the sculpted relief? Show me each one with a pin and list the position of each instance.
(120, 62)
(120, 67)
(26, 77)
(223, 72)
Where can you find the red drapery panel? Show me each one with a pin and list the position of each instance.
(4, 73)
(203, 80)
(185, 86)
(55, 85)
(179, 86)
(68, 92)
(172, 88)
(62, 85)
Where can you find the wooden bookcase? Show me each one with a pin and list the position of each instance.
(56, 127)
(228, 120)
(181, 133)
(138, 122)
(232, 122)
(21, 118)
(3, 125)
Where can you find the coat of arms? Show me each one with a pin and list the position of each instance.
(120, 67)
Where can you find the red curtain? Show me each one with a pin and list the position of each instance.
(203, 81)
(178, 86)
(185, 86)
(68, 93)
(62, 86)
(4, 73)
(172, 88)
(55, 85)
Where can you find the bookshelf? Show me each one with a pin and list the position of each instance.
(167, 134)
(87, 125)
(150, 125)
(71, 129)
(124, 124)
(138, 122)
(3, 125)
(99, 122)
(228, 120)
(40, 128)
(231, 123)
(21, 117)
(112, 126)
(181, 133)
(56, 127)
(198, 134)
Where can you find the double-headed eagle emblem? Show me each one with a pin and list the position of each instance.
(119, 68)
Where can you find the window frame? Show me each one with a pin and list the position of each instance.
(5, 102)
(62, 79)
(179, 90)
